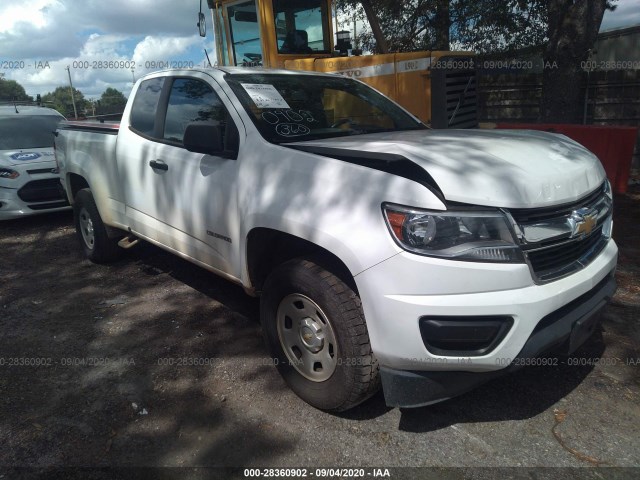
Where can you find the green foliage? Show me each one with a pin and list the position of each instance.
(60, 99)
(490, 26)
(11, 90)
(111, 101)
(484, 26)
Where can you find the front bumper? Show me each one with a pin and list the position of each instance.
(562, 331)
(35, 200)
(400, 291)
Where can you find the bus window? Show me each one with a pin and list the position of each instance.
(244, 33)
(302, 26)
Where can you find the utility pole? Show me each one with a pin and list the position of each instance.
(73, 100)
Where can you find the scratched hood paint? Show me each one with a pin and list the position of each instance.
(500, 168)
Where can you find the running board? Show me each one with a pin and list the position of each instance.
(128, 242)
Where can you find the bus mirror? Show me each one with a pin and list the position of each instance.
(202, 25)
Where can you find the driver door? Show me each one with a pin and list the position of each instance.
(181, 199)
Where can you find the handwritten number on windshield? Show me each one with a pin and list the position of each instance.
(291, 129)
(275, 117)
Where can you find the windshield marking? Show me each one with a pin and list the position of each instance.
(265, 95)
(292, 130)
(276, 116)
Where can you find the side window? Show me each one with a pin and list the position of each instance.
(191, 101)
(143, 110)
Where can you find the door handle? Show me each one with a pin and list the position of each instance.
(158, 165)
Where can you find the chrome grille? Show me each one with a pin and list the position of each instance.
(556, 261)
(528, 215)
(561, 240)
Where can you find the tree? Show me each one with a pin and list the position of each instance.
(381, 41)
(60, 98)
(112, 100)
(479, 25)
(11, 90)
(562, 31)
(497, 26)
(572, 30)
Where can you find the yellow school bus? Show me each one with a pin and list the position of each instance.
(438, 87)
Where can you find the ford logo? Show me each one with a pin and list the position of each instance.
(25, 156)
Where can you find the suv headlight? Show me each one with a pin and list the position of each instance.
(456, 235)
(8, 173)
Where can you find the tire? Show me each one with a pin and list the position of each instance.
(314, 325)
(92, 233)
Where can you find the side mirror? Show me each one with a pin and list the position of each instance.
(203, 138)
(202, 25)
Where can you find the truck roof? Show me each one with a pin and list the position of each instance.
(279, 71)
(242, 70)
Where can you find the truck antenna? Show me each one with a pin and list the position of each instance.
(208, 60)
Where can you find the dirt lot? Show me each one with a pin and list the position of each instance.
(89, 377)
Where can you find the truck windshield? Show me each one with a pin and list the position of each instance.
(28, 131)
(287, 108)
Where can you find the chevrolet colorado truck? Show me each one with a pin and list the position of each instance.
(384, 253)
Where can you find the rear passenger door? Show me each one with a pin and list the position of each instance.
(184, 200)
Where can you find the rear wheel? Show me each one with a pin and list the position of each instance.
(314, 325)
(92, 233)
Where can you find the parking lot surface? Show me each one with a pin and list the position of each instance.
(152, 361)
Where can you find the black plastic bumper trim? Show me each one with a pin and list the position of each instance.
(463, 336)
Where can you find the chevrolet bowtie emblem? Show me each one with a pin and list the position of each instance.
(582, 222)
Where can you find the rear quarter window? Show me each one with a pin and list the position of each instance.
(145, 105)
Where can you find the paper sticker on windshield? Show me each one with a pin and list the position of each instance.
(265, 96)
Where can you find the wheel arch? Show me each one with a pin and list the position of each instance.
(266, 248)
(75, 183)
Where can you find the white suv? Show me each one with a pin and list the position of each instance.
(29, 180)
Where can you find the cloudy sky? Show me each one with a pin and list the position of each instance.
(81, 32)
(40, 38)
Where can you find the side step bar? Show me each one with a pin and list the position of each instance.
(128, 242)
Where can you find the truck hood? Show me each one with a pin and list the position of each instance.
(9, 158)
(498, 168)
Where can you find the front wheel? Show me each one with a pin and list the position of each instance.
(92, 233)
(314, 325)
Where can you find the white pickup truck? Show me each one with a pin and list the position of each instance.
(384, 252)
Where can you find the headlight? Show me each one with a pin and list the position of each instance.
(8, 173)
(456, 235)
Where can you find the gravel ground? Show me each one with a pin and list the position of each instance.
(96, 370)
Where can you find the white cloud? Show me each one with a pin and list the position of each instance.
(102, 63)
(34, 13)
(159, 49)
(89, 36)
